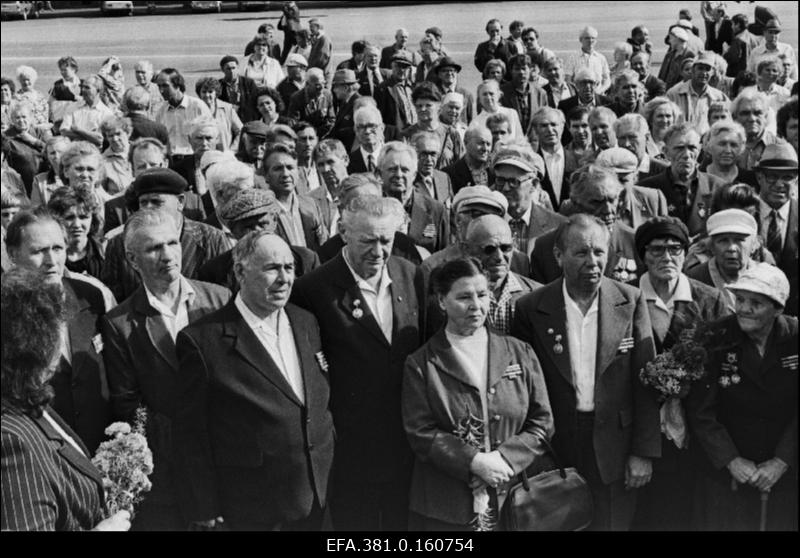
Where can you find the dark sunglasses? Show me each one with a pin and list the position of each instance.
(504, 248)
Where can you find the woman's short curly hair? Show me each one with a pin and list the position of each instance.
(32, 315)
(67, 197)
(273, 94)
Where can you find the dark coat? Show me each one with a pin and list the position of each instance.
(551, 100)
(443, 189)
(438, 396)
(567, 105)
(248, 450)
(220, 269)
(537, 99)
(403, 247)
(364, 81)
(654, 87)
(755, 419)
(140, 357)
(321, 56)
(789, 255)
(199, 242)
(47, 484)
(715, 41)
(621, 251)
(626, 414)
(322, 117)
(430, 223)
(343, 127)
(739, 52)
(81, 388)
(461, 176)
(248, 95)
(313, 224)
(143, 127)
(487, 51)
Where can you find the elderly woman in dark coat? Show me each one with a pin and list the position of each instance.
(675, 302)
(744, 413)
(474, 406)
(48, 481)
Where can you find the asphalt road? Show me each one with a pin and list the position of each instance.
(194, 43)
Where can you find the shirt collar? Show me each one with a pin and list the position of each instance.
(682, 293)
(366, 154)
(570, 302)
(289, 208)
(186, 296)
(362, 283)
(526, 217)
(511, 285)
(182, 105)
(766, 210)
(253, 321)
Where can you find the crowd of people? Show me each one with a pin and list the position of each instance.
(358, 297)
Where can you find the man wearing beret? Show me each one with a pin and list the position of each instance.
(139, 353)
(776, 173)
(251, 210)
(394, 95)
(163, 189)
(238, 90)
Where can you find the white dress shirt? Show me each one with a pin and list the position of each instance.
(766, 217)
(378, 300)
(555, 168)
(289, 218)
(174, 321)
(596, 62)
(86, 117)
(582, 339)
(366, 155)
(177, 120)
(266, 73)
(279, 344)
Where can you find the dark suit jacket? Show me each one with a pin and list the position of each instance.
(403, 247)
(547, 184)
(487, 51)
(738, 53)
(537, 99)
(567, 105)
(654, 87)
(469, 102)
(366, 370)
(81, 388)
(551, 100)
(321, 56)
(248, 449)
(461, 176)
(542, 221)
(443, 189)
(143, 127)
(715, 41)
(47, 484)
(364, 83)
(670, 71)
(626, 413)
(322, 118)
(646, 203)
(430, 223)
(313, 224)
(438, 396)
(343, 125)
(386, 98)
(140, 357)
(621, 250)
(220, 269)
(199, 242)
(789, 255)
(249, 95)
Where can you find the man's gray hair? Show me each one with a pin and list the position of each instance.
(578, 221)
(398, 147)
(373, 206)
(749, 94)
(453, 96)
(320, 75)
(137, 98)
(202, 123)
(332, 146)
(144, 65)
(424, 136)
(473, 130)
(679, 129)
(246, 247)
(590, 177)
(633, 119)
(547, 112)
(226, 178)
(365, 111)
(599, 112)
(726, 125)
(143, 219)
(356, 185)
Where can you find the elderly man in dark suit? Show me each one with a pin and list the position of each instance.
(776, 173)
(429, 181)
(139, 351)
(447, 71)
(473, 168)
(251, 210)
(400, 43)
(251, 425)
(37, 241)
(370, 309)
(586, 83)
(344, 87)
(372, 74)
(428, 220)
(314, 104)
(163, 188)
(596, 193)
(593, 336)
(557, 89)
(654, 87)
(632, 132)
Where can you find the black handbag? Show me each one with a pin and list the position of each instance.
(554, 500)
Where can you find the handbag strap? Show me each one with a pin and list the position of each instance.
(523, 476)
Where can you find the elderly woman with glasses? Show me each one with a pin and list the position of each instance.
(675, 303)
(743, 413)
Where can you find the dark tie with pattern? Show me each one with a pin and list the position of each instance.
(370, 163)
(774, 236)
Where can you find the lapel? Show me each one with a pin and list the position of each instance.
(156, 330)
(499, 357)
(419, 217)
(553, 316)
(303, 346)
(613, 312)
(81, 326)
(251, 350)
(341, 276)
(401, 303)
(685, 314)
(68, 453)
(443, 357)
(789, 253)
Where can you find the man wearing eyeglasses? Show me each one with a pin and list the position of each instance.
(369, 128)
(431, 182)
(518, 171)
(776, 173)
(489, 240)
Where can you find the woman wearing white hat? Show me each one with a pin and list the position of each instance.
(744, 413)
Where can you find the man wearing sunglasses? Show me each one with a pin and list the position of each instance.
(489, 240)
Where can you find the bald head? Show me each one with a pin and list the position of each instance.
(489, 240)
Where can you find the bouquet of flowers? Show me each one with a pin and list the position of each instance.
(470, 431)
(125, 462)
(671, 374)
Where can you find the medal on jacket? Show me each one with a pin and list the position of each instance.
(729, 368)
(701, 210)
(358, 313)
(558, 348)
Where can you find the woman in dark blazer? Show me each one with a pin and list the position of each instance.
(48, 481)
(675, 303)
(744, 413)
(474, 408)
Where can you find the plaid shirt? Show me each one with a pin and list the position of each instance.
(501, 311)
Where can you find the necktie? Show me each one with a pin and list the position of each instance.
(774, 236)
(370, 163)
(429, 186)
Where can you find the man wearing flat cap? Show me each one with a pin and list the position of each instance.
(251, 210)
(447, 71)
(776, 173)
(518, 172)
(296, 66)
(678, 39)
(732, 234)
(345, 89)
(139, 354)
(394, 95)
(314, 104)
(772, 47)
(743, 412)
(695, 96)
(163, 189)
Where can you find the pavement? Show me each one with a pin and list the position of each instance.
(194, 43)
